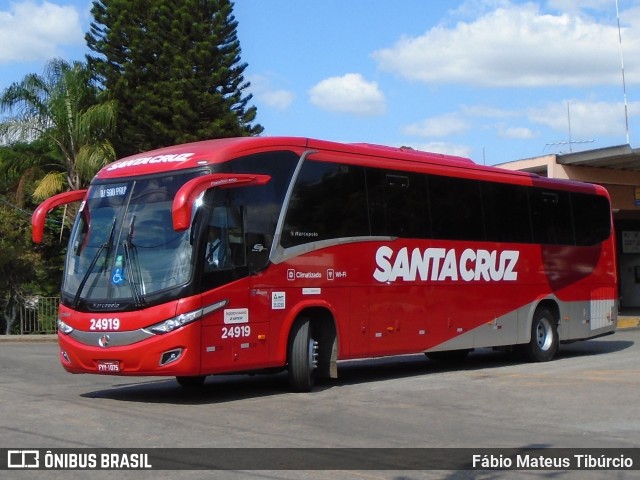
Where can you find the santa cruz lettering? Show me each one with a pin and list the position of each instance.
(169, 158)
(441, 264)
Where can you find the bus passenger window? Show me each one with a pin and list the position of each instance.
(328, 202)
(455, 206)
(551, 217)
(398, 203)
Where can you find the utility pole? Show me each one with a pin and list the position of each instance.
(624, 86)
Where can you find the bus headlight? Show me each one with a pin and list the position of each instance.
(64, 328)
(171, 324)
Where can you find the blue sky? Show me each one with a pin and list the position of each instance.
(493, 80)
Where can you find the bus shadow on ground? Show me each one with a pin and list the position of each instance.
(229, 388)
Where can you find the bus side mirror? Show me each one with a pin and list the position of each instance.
(40, 214)
(183, 202)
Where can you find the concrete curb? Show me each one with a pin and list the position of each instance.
(33, 338)
(628, 322)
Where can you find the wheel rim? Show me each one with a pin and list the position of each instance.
(544, 334)
(313, 354)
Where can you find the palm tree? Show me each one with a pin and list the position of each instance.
(62, 108)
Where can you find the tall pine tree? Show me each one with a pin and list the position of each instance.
(174, 68)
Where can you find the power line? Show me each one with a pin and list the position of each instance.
(15, 206)
(22, 210)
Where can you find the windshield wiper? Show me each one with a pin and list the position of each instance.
(94, 260)
(131, 262)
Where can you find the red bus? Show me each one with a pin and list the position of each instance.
(252, 254)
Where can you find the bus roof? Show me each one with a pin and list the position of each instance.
(207, 152)
(190, 155)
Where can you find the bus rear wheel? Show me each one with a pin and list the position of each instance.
(544, 337)
(303, 357)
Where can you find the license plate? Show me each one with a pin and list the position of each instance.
(108, 366)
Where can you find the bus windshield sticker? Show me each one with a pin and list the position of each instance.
(117, 276)
(108, 191)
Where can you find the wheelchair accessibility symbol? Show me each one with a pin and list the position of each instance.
(118, 276)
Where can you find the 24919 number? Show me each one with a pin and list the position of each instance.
(105, 324)
(237, 331)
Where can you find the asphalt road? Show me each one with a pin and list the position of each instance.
(586, 398)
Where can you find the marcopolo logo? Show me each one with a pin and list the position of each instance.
(441, 264)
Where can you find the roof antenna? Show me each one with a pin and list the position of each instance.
(624, 86)
(571, 141)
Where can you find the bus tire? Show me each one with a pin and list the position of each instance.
(302, 357)
(191, 382)
(544, 337)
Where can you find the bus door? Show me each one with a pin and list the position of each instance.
(229, 337)
(231, 330)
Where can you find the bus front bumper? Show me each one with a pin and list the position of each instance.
(175, 353)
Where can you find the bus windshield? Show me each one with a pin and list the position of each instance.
(123, 246)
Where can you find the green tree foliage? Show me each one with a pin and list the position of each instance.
(174, 68)
(22, 165)
(24, 269)
(54, 137)
(62, 111)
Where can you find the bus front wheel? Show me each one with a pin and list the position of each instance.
(544, 337)
(303, 357)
